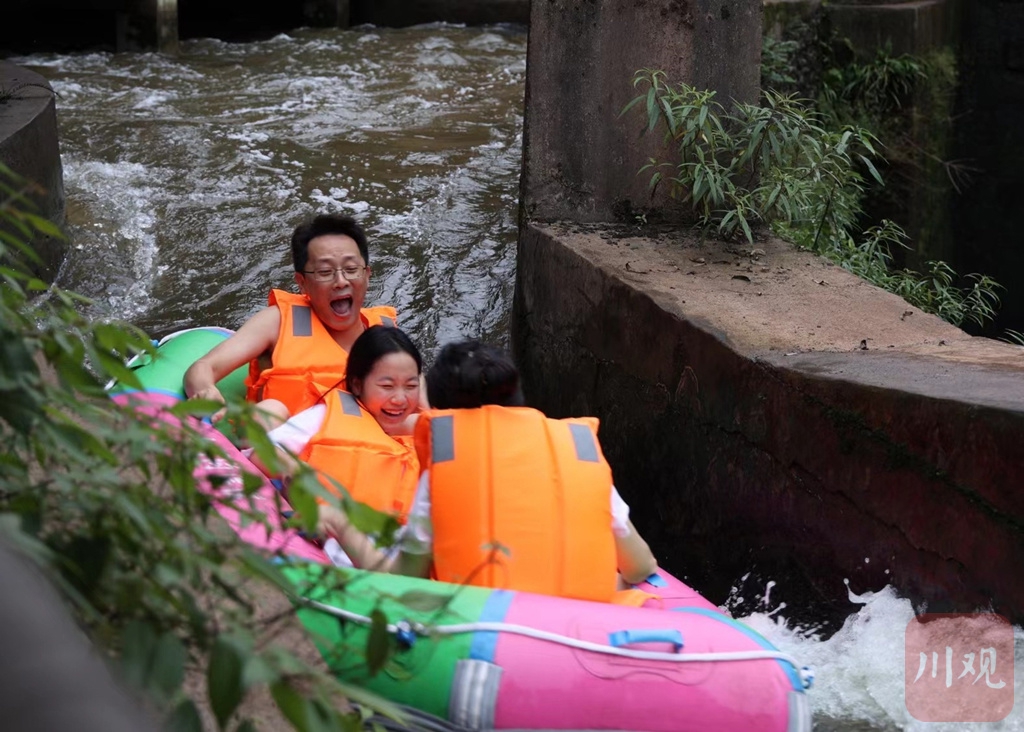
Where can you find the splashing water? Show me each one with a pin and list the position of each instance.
(859, 671)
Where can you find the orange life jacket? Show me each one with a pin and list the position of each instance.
(519, 501)
(306, 361)
(350, 447)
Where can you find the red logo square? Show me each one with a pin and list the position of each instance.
(959, 667)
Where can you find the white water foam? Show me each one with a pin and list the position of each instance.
(122, 198)
(859, 671)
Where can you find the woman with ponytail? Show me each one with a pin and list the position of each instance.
(508, 498)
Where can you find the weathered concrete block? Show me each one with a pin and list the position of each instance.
(779, 15)
(581, 158)
(764, 410)
(149, 24)
(915, 26)
(29, 146)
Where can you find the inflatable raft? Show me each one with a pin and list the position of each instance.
(470, 658)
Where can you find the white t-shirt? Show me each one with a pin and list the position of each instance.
(417, 536)
(296, 433)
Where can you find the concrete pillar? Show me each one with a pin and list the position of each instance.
(29, 147)
(149, 24)
(580, 157)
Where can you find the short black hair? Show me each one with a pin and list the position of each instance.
(322, 225)
(371, 346)
(469, 374)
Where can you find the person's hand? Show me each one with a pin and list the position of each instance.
(213, 394)
(331, 521)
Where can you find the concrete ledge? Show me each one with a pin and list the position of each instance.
(763, 409)
(29, 147)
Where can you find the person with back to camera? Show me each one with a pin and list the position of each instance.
(360, 435)
(509, 498)
(298, 346)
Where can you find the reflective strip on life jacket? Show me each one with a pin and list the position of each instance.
(351, 448)
(306, 361)
(519, 501)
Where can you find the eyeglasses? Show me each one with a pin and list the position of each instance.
(349, 272)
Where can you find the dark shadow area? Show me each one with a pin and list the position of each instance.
(237, 23)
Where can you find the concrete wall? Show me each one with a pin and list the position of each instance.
(29, 147)
(791, 420)
(914, 27)
(762, 409)
(581, 158)
(990, 139)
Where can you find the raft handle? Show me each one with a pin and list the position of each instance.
(653, 635)
(656, 580)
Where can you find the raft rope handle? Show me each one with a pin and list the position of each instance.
(404, 630)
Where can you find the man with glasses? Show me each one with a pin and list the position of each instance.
(297, 347)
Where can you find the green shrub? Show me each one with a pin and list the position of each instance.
(785, 165)
(104, 499)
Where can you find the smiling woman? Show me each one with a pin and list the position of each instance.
(359, 439)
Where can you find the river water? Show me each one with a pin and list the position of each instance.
(185, 176)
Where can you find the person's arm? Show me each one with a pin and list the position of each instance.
(635, 560)
(290, 439)
(413, 542)
(256, 336)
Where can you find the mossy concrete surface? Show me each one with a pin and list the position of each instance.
(581, 155)
(764, 410)
(29, 147)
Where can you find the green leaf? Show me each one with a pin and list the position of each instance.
(258, 671)
(652, 110)
(305, 505)
(378, 642)
(424, 601)
(44, 226)
(167, 670)
(137, 644)
(371, 521)
(871, 169)
(224, 678)
(292, 705)
(185, 718)
(195, 408)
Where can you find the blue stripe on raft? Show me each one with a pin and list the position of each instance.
(483, 645)
(791, 672)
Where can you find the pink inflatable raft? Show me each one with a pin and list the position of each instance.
(469, 658)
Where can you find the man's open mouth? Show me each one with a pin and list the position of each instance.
(342, 307)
